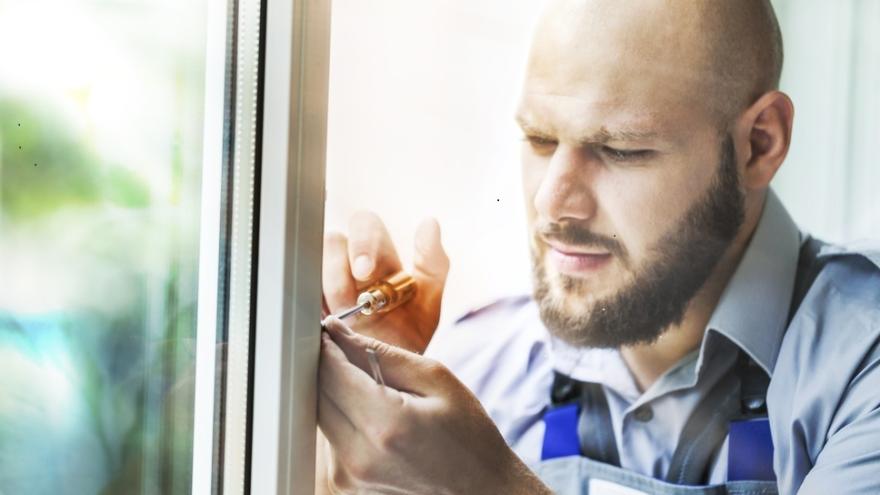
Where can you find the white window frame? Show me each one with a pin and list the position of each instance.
(288, 303)
(291, 241)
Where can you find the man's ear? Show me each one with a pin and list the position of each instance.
(765, 131)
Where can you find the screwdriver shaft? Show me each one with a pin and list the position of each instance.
(348, 312)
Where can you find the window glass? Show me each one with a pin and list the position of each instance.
(101, 119)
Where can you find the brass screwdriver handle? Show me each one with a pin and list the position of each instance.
(388, 294)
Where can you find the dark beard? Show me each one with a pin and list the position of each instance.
(660, 292)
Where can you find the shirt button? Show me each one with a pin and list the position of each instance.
(643, 414)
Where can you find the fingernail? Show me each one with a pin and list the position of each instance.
(363, 267)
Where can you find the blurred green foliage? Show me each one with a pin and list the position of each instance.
(97, 396)
(46, 166)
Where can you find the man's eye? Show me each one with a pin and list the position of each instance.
(624, 155)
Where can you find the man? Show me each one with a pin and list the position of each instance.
(682, 332)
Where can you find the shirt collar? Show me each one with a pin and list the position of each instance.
(753, 309)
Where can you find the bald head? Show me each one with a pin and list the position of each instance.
(746, 48)
(721, 54)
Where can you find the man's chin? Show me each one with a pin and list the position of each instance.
(579, 307)
(571, 326)
(586, 318)
(575, 292)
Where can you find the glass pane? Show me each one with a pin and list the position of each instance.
(101, 117)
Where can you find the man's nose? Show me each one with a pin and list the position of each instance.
(566, 191)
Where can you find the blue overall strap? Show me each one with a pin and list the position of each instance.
(750, 451)
(749, 444)
(704, 434)
(560, 433)
(737, 399)
(744, 421)
(809, 266)
(561, 419)
(595, 430)
(578, 422)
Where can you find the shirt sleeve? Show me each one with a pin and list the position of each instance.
(825, 406)
(849, 463)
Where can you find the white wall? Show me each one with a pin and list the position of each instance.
(422, 98)
(832, 72)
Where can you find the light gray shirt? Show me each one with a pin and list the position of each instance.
(824, 395)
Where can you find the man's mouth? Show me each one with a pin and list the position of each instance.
(577, 261)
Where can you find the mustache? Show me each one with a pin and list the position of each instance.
(576, 236)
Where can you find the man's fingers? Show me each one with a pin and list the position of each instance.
(353, 392)
(371, 252)
(402, 370)
(431, 264)
(337, 283)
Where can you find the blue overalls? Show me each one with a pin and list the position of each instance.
(579, 454)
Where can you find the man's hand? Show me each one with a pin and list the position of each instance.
(423, 432)
(367, 255)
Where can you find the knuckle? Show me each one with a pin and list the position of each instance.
(436, 371)
(381, 348)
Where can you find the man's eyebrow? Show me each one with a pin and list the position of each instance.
(531, 130)
(602, 136)
(605, 135)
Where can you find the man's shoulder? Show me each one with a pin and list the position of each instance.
(504, 335)
(851, 271)
(841, 309)
(827, 372)
(485, 327)
(844, 298)
(505, 307)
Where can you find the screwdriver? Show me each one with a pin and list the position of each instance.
(383, 296)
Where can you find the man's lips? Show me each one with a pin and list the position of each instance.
(577, 260)
(575, 250)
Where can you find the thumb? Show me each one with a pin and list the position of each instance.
(431, 264)
(401, 370)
